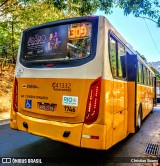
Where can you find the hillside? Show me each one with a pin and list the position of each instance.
(6, 84)
(156, 65)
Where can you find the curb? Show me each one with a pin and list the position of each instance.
(4, 122)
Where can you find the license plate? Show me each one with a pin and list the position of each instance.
(46, 106)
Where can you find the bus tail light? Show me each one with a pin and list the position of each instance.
(90, 136)
(92, 108)
(15, 96)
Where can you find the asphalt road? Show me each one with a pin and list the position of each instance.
(20, 144)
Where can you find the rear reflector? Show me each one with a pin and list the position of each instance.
(49, 65)
(92, 108)
(94, 137)
(15, 96)
(13, 120)
(90, 136)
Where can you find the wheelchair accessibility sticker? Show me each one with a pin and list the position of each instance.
(28, 104)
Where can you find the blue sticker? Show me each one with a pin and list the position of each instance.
(28, 104)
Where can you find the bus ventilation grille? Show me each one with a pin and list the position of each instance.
(152, 149)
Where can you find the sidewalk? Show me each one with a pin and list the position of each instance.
(4, 116)
(3, 122)
(135, 144)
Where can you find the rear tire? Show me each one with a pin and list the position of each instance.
(139, 119)
(152, 111)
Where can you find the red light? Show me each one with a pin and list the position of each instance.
(92, 16)
(92, 108)
(15, 96)
(94, 137)
(49, 65)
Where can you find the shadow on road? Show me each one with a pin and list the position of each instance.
(31, 146)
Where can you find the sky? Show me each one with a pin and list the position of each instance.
(134, 31)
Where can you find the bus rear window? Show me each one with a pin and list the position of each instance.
(57, 43)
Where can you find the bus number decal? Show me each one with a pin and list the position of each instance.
(61, 86)
(78, 32)
(69, 109)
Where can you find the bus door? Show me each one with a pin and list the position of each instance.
(119, 95)
(132, 89)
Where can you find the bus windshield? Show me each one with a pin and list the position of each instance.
(57, 43)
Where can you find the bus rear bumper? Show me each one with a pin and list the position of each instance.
(81, 135)
(93, 136)
(51, 129)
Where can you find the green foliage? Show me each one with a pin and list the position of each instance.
(16, 15)
(157, 73)
(149, 9)
(143, 57)
(142, 8)
(24, 14)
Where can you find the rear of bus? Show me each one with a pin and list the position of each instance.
(58, 82)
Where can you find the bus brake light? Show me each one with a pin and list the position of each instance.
(92, 108)
(15, 96)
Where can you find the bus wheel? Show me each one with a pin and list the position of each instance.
(152, 110)
(139, 119)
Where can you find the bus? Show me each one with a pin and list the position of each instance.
(158, 91)
(79, 82)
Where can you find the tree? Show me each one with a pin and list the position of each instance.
(143, 57)
(139, 8)
(24, 14)
(7, 34)
(157, 73)
(16, 15)
(149, 9)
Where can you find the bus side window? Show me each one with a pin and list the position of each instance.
(117, 58)
(149, 78)
(121, 61)
(145, 75)
(140, 78)
(113, 56)
(152, 81)
(147, 82)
